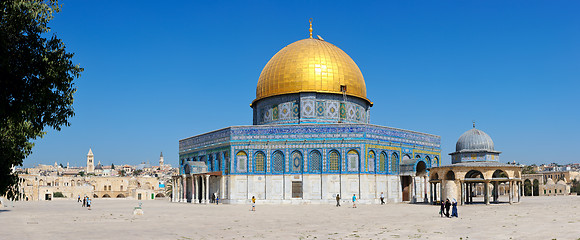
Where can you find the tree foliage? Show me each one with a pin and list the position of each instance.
(575, 186)
(36, 81)
(528, 170)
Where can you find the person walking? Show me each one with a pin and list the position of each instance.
(454, 209)
(337, 200)
(89, 203)
(442, 210)
(447, 206)
(85, 201)
(382, 198)
(253, 203)
(217, 200)
(353, 201)
(79, 199)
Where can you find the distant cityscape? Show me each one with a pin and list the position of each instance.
(142, 181)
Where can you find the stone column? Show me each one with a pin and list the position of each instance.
(178, 189)
(510, 191)
(195, 188)
(496, 192)
(431, 192)
(207, 188)
(521, 190)
(222, 187)
(471, 185)
(202, 186)
(486, 192)
(192, 188)
(183, 189)
(463, 190)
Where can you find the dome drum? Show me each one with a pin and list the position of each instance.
(310, 108)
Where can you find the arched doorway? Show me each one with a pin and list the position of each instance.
(474, 187)
(106, 196)
(421, 176)
(159, 195)
(120, 196)
(536, 185)
(421, 169)
(450, 175)
(528, 187)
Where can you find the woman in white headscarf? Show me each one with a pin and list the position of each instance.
(454, 209)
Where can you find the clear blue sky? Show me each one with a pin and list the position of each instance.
(157, 72)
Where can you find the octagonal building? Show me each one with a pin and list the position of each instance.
(311, 139)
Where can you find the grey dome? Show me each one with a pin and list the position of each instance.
(474, 139)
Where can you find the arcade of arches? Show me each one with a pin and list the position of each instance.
(473, 183)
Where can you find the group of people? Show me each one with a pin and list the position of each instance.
(215, 198)
(353, 200)
(86, 201)
(445, 205)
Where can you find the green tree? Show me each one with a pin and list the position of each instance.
(36, 82)
(137, 172)
(575, 186)
(113, 166)
(528, 170)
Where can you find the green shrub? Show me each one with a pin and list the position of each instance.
(58, 194)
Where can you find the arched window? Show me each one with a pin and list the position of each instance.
(296, 161)
(226, 157)
(242, 160)
(333, 161)
(219, 162)
(394, 163)
(428, 160)
(371, 167)
(210, 163)
(315, 161)
(383, 162)
(417, 156)
(278, 162)
(352, 157)
(436, 162)
(260, 160)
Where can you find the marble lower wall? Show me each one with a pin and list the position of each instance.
(320, 188)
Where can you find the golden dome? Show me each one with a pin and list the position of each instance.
(310, 65)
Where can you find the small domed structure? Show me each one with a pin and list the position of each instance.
(474, 146)
(474, 139)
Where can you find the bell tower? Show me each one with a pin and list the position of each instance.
(90, 162)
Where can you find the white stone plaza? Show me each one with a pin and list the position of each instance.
(534, 218)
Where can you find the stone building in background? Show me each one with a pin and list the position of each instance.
(44, 182)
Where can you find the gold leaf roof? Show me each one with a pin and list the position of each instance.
(310, 65)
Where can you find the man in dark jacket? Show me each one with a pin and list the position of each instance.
(447, 206)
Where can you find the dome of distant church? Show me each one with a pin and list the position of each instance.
(310, 65)
(474, 139)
